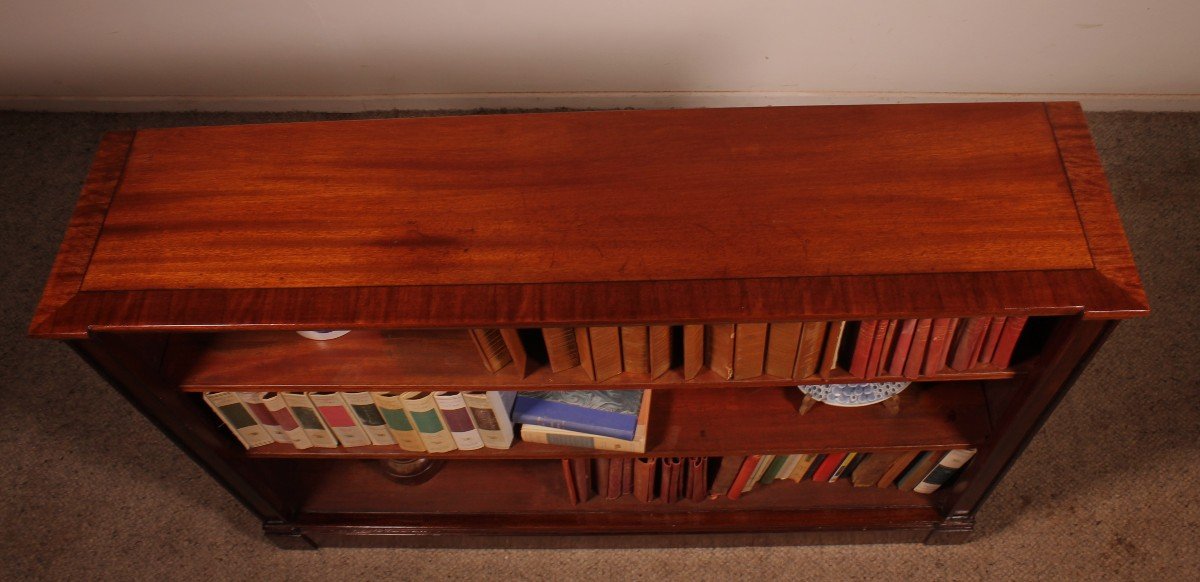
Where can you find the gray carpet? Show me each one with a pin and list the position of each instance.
(1108, 490)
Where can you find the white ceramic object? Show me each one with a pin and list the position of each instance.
(861, 394)
(324, 334)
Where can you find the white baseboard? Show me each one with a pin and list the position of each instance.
(601, 100)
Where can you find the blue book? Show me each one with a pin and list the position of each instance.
(611, 413)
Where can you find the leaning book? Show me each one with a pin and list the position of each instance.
(610, 413)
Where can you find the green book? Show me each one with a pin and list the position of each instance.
(773, 469)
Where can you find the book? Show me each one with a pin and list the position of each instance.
(693, 350)
(977, 351)
(697, 482)
(286, 420)
(555, 436)
(569, 476)
(863, 343)
(427, 418)
(842, 467)
(871, 469)
(904, 340)
(581, 470)
(812, 339)
(726, 472)
(339, 419)
(786, 470)
(916, 352)
(943, 361)
(254, 403)
(635, 349)
(802, 467)
(611, 413)
(745, 472)
(516, 350)
(372, 422)
(599, 351)
(853, 466)
(668, 482)
(492, 413)
(897, 468)
(882, 329)
(310, 420)
(458, 420)
(828, 466)
(561, 348)
(660, 350)
(937, 340)
(764, 463)
(772, 470)
(233, 412)
(600, 468)
(749, 350)
(492, 350)
(889, 343)
(718, 349)
(783, 344)
(1008, 341)
(399, 422)
(627, 476)
(814, 467)
(833, 345)
(916, 472)
(616, 478)
(944, 470)
(990, 341)
(644, 473)
(966, 343)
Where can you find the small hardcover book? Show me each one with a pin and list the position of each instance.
(391, 406)
(339, 419)
(635, 348)
(904, 340)
(556, 436)
(372, 422)
(773, 469)
(802, 467)
(726, 473)
(254, 402)
(945, 469)
(611, 413)
(287, 421)
(828, 466)
(764, 463)
(306, 414)
(808, 361)
(862, 347)
(1008, 341)
(789, 466)
(599, 351)
(745, 472)
(783, 343)
(843, 467)
(938, 339)
(916, 352)
(899, 466)
(492, 349)
(492, 413)
(925, 463)
(749, 350)
(561, 348)
(428, 419)
(458, 418)
(644, 472)
(237, 417)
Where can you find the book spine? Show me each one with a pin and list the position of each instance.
(698, 479)
(968, 341)
(490, 345)
(398, 421)
(828, 466)
(937, 341)
(339, 419)
(726, 473)
(458, 419)
(841, 467)
(569, 478)
(773, 469)
(916, 353)
(583, 342)
(533, 410)
(616, 478)
(1008, 341)
(833, 345)
(862, 347)
(718, 349)
(812, 339)
(763, 464)
(561, 348)
(693, 350)
(745, 472)
(230, 409)
(801, 468)
(786, 470)
(310, 420)
(783, 344)
(427, 418)
(492, 421)
(627, 476)
(897, 468)
(606, 351)
(254, 403)
(660, 350)
(643, 479)
(372, 422)
(990, 341)
(286, 420)
(635, 349)
(925, 463)
(904, 340)
(533, 433)
(877, 346)
(946, 468)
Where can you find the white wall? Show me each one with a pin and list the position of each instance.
(360, 54)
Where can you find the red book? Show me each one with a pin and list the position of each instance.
(944, 357)
(889, 342)
(977, 352)
(877, 348)
(968, 342)
(990, 341)
(937, 341)
(1008, 341)
(904, 340)
(743, 476)
(828, 466)
(916, 353)
(862, 348)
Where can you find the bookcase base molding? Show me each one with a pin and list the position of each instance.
(729, 256)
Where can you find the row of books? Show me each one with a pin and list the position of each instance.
(671, 479)
(906, 348)
(437, 422)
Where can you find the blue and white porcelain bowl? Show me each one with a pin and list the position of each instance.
(861, 394)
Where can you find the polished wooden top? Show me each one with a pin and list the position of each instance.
(673, 216)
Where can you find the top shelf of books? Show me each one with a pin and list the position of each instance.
(596, 218)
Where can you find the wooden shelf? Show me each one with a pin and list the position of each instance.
(733, 421)
(411, 360)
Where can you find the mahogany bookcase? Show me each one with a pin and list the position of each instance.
(194, 253)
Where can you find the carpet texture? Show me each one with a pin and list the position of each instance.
(1107, 490)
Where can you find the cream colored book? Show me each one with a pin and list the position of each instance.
(230, 408)
(802, 467)
(363, 407)
(306, 414)
(458, 420)
(287, 421)
(786, 470)
(391, 406)
(339, 419)
(556, 436)
(492, 413)
(429, 422)
(254, 403)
